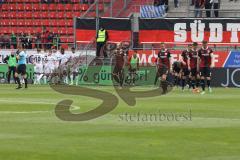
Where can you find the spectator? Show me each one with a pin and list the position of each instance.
(38, 40)
(6, 41)
(14, 40)
(84, 1)
(192, 2)
(28, 41)
(56, 41)
(1, 40)
(65, 1)
(176, 3)
(156, 3)
(164, 2)
(198, 5)
(1, 1)
(45, 37)
(50, 40)
(47, 1)
(208, 6)
(216, 6)
(22, 39)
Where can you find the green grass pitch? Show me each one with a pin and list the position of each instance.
(29, 129)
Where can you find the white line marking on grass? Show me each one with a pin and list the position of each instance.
(73, 108)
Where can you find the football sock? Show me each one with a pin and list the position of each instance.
(193, 84)
(26, 82)
(183, 83)
(208, 83)
(203, 84)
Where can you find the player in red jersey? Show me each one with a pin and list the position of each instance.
(185, 64)
(193, 67)
(164, 66)
(206, 56)
(118, 72)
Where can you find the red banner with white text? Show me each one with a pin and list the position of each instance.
(148, 57)
(186, 30)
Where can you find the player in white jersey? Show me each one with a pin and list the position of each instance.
(63, 66)
(49, 66)
(38, 72)
(73, 66)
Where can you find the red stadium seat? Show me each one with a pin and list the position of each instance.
(12, 15)
(30, 22)
(20, 7)
(20, 23)
(12, 7)
(69, 30)
(60, 7)
(52, 7)
(4, 15)
(2, 23)
(28, 7)
(44, 15)
(44, 7)
(27, 23)
(53, 23)
(36, 7)
(84, 7)
(68, 7)
(4, 29)
(20, 15)
(14, 29)
(68, 15)
(28, 15)
(77, 14)
(35, 15)
(45, 22)
(54, 30)
(61, 31)
(77, 7)
(37, 23)
(13, 22)
(101, 7)
(69, 23)
(60, 15)
(61, 23)
(70, 40)
(5, 7)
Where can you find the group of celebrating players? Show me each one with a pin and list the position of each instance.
(193, 68)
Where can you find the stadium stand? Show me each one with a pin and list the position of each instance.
(19, 16)
(35, 16)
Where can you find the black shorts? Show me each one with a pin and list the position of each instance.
(205, 72)
(132, 70)
(117, 70)
(176, 69)
(162, 71)
(12, 69)
(185, 71)
(22, 69)
(194, 72)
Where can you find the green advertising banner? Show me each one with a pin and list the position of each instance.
(102, 75)
(4, 72)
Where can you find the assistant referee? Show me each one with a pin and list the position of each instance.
(21, 67)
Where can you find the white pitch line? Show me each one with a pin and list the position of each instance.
(32, 102)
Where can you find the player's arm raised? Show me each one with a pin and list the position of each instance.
(212, 60)
(170, 61)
